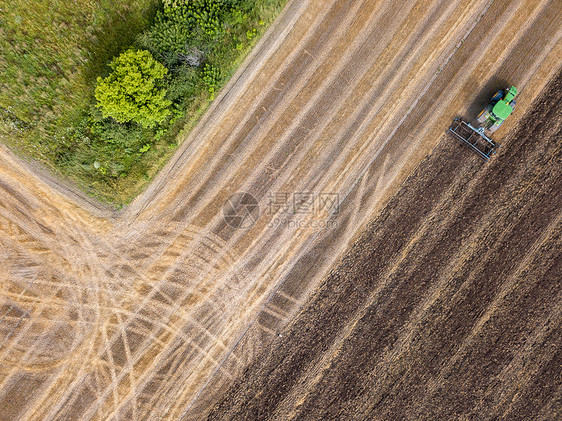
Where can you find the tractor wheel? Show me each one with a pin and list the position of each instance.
(498, 95)
(484, 114)
(512, 104)
(495, 127)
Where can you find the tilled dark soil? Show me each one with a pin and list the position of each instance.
(448, 307)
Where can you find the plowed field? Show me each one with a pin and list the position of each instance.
(153, 311)
(448, 307)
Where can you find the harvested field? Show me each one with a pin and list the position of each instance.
(152, 312)
(447, 307)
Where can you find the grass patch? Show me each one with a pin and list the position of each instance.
(53, 52)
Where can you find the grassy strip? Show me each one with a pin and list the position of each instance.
(48, 74)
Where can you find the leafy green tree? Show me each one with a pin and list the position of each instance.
(134, 89)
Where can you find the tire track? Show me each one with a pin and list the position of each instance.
(342, 97)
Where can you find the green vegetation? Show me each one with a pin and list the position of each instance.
(157, 67)
(133, 90)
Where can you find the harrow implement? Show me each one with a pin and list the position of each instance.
(474, 138)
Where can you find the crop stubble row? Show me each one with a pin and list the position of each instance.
(448, 306)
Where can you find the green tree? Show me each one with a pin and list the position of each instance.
(134, 89)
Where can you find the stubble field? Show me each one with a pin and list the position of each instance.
(447, 307)
(154, 311)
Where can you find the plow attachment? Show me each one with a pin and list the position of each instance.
(473, 138)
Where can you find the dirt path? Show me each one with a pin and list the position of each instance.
(150, 313)
(453, 314)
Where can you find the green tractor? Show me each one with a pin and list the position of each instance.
(490, 119)
(501, 106)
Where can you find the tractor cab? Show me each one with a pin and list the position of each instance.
(500, 107)
(504, 107)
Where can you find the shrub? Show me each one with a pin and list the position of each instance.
(172, 29)
(181, 24)
(211, 77)
(133, 91)
(183, 86)
(120, 135)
